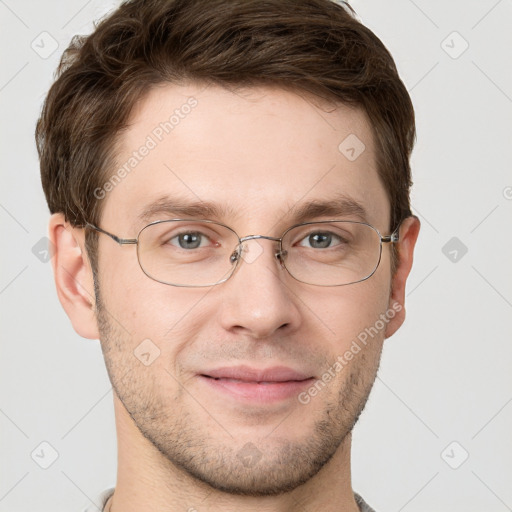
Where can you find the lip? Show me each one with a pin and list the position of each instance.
(257, 385)
(248, 374)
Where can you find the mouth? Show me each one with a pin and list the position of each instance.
(253, 385)
(263, 382)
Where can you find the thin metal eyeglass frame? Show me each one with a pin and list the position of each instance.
(280, 254)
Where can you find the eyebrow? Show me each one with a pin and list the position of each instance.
(341, 205)
(179, 207)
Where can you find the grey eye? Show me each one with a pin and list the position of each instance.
(320, 240)
(191, 240)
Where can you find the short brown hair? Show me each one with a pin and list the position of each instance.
(315, 46)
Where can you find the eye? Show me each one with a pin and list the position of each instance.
(321, 240)
(189, 240)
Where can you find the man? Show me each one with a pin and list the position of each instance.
(229, 188)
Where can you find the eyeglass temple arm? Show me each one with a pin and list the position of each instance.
(120, 241)
(394, 237)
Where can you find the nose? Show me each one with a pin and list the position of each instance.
(258, 300)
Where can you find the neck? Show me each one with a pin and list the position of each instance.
(146, 480)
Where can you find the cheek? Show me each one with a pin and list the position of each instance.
(345, 313)
(147, 313)
(351, 307)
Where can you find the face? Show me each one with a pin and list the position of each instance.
(260, 155)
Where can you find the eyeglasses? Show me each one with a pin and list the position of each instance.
(200, 253)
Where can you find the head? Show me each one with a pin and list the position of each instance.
(243, 108)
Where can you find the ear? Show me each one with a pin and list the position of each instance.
(409, 231)
(73, 275)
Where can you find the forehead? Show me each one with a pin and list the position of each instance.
(256, 155)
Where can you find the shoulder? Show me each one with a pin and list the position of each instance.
(363, 506)
(100, 501)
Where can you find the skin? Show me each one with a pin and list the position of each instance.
(263, 152)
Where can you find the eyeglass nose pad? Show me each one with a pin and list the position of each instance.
(235, 255)
(281, 255)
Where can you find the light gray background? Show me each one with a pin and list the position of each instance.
(445, 377)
